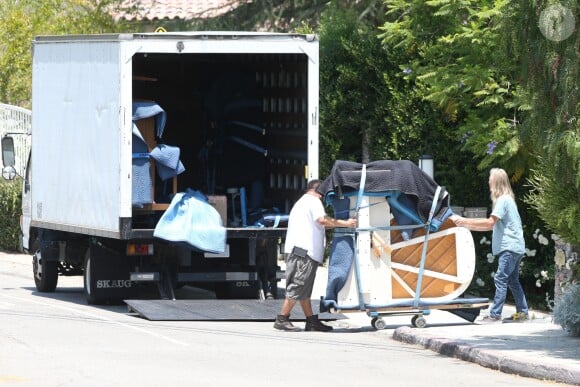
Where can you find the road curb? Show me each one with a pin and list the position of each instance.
(487, 358)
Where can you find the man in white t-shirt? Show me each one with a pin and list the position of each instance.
(304, 250)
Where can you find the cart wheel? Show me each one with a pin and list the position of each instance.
(419, 321)
(378, 323)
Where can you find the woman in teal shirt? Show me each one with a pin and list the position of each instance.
(507, 244)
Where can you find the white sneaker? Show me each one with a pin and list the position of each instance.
(490, 320)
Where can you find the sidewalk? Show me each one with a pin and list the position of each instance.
(537, 348)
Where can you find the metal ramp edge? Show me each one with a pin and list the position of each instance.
(219, 310)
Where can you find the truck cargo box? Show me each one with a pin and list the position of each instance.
(242, 108)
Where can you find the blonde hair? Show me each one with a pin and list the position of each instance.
(499, 184)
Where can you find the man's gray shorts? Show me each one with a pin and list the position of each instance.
(300, 275)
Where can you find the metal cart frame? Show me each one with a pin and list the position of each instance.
(417, 307)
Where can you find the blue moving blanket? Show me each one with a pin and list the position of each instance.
(341, 252)
(142, 193)
(148, 109)
(167, 160)
(192, 220)
(165, 156)
(141, 179)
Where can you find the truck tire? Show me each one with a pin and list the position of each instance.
(88, 284)
(45, 273)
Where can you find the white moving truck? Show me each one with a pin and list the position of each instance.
(240, 108)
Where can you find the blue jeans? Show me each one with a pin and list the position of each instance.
(508, 275)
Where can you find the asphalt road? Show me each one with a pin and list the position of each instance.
(57, 339)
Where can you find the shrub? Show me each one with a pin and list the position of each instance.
(10, 209)
(567, 310)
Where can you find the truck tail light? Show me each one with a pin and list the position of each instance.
(139, 249)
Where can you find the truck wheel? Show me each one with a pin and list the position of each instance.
(88, 284)
(45, 273)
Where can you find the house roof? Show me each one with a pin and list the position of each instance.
(151, 10)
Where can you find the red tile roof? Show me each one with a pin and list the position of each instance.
(150, 10)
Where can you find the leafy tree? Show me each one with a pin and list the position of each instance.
(21, 20)
(549, 72)
(367, 112)
(459, 63)
(512, 91)
(467, 56)
(549, 57)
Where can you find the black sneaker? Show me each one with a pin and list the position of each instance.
(314, 324)
(283, 323)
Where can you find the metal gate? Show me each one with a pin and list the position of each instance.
(16, 122)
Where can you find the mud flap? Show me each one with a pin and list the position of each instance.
(107, 275)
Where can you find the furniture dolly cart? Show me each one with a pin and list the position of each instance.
(397, 261)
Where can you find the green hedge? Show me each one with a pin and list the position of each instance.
(10, 210)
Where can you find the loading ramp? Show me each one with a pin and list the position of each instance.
(219, 310)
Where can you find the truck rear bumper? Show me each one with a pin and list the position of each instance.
(202, 276)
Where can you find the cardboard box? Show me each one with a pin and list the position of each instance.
(220, 202)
